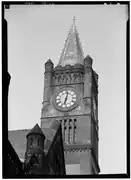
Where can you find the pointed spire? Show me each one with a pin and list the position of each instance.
(36, 130)
(72, 52)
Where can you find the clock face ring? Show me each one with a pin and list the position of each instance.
(65, 99)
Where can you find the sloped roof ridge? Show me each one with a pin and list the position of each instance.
(18, 130)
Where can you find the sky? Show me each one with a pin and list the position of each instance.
(37, 33)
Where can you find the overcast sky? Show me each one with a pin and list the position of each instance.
(37, 33)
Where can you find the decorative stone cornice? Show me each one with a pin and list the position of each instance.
(59, 117)
(77, 148)
(69, 68)
(73, 84)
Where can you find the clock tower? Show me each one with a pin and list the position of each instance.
(71, 96)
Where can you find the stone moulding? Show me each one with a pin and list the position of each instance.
(77, 148)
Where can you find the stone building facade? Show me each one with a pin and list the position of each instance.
(71, 97)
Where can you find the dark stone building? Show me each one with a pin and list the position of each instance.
(70, 97)
(42, 156)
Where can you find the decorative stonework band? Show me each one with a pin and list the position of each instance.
(77, 148)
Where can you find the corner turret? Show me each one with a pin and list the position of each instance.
(35, 162)
(48, 81)
(88, 62)
(49, 66)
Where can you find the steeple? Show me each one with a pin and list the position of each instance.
(72, 52)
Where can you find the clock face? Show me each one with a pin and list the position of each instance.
(66, 98)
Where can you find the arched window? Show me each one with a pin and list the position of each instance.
(31, 141)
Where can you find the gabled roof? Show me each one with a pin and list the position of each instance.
(35, 130)
(72, 52)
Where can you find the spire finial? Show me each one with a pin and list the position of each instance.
(74, 18)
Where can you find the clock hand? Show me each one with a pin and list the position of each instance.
(66, 98)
